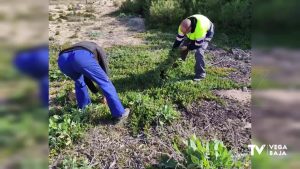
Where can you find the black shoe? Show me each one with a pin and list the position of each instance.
(123, 118)
(199, 78)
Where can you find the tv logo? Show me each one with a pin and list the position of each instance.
(255, 147)
(272, 149)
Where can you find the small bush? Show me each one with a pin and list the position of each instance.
(93, 35)
(75, 163)
(71, 7)
(165, 13)
(135, 6)
(146, 112)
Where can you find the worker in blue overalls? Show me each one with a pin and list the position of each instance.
(85, 62)
(34, 62)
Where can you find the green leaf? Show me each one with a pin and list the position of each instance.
(193, 145)
(195, 160)
(176, 147)
(56, 117)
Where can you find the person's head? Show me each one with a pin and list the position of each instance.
(185, 26)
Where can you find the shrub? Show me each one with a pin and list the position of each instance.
(235, 16)
(135, 6)
(164, 13)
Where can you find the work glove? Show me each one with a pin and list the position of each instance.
(176, 44)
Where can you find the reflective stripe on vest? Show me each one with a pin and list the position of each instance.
(202, 26)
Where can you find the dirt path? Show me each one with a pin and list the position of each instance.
(76, 21)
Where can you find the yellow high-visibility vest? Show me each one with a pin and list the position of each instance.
(202, 26)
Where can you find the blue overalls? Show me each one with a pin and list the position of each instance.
(34, 62)
(78, 62)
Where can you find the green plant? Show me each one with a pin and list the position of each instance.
(196, 153)
(135, 6)
(94, 35)
(162, 13)
(146, 112)
(63, 131)
(167, 114)
(75, 163)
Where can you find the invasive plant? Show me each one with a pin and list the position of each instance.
(63, 131)
(75, 163)
(196, 153)
(146, 112)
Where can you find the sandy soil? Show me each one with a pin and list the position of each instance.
(99, 24)
(238, 95)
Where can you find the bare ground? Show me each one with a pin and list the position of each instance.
(93, 22)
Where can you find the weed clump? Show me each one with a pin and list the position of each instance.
(196, 153)
(63, 132)
(147, 112)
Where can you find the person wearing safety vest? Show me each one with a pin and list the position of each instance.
(86, 62)
(195, 32)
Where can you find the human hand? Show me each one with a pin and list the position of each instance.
(104, 101)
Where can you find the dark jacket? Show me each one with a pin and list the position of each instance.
(99, 55)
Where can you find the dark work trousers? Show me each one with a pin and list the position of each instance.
(199, 54)
(78, 63)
